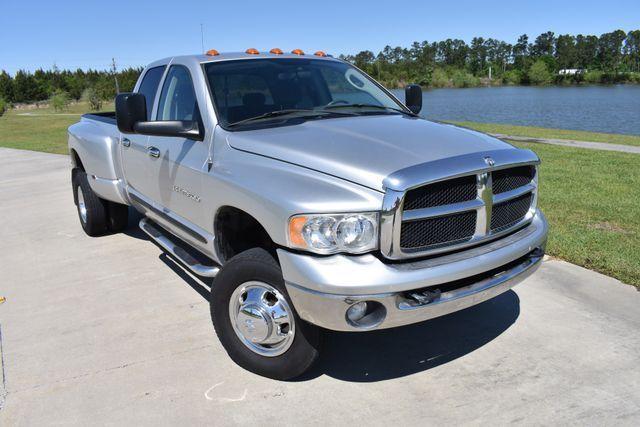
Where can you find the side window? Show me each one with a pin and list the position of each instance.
(178, 99)
(149, 86)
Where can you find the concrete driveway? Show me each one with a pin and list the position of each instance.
(108, 330)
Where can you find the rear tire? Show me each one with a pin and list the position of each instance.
(97, 216)
(118, 217)
(92, 210)
(255, 321)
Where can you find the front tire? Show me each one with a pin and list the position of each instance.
(255, 320)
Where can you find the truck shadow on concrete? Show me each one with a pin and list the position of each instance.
(394, 353)
(133, 230)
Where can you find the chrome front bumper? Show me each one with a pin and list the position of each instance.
(323, 288)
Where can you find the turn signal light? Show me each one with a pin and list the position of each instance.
(297, 52)
(320, 53)
(295, 231)
(276, 51)
(252, 51)
(213, 52)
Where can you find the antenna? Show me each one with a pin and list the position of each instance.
(202, 37)
(115, 75)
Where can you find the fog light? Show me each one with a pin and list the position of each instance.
(365, 314)
(357, 311)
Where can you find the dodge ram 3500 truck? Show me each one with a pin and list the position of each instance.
(309, 196)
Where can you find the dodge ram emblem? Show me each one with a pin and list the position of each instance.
(489, 161)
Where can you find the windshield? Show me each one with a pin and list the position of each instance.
(246, 89)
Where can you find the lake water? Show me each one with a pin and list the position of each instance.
(611, 109)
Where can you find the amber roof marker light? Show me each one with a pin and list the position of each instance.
(252, 51)
(320, 53)
(297, 52)
(276, 51)
(212, 52)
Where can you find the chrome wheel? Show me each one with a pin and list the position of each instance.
(82, 207)
(262, 318)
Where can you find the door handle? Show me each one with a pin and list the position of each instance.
(153, 152)
(126, 142)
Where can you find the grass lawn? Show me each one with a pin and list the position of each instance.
(591, 198)
(535, 132)
(42, 129)
(592, 201)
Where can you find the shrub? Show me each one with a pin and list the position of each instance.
(578, 78)
(464, 79)
(3, 106)
(539, 73)
(424, 77)
(593, 76)
(59, 100)
(90, 96)
(512, 77)
(439, 78)
(564, 80)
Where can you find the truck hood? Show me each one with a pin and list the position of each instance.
(363, 149)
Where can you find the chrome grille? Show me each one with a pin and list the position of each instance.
(448, 214)
(442, 193)
(509, 213)
(436, 231)
(509, 179)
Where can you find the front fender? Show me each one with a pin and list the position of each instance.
(272, 191)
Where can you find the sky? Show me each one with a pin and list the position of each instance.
(87, 34)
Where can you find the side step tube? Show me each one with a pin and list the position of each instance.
(171, 248)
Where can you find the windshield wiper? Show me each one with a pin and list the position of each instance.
(379, 107)
(278, 113)
(300, 112)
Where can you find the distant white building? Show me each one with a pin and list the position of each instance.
(571, 71)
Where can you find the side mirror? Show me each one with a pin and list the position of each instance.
(175, 128)
(413, 98)
(131, 108)
(131, 117)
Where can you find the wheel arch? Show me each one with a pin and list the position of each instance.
(236, 231)
(76, 162)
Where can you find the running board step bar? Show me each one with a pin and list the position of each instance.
(173, 249)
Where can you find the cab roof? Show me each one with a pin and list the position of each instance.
(226, 56)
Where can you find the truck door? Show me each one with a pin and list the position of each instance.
(135, 153)
(177, 169)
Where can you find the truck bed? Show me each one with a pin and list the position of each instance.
(95, 140)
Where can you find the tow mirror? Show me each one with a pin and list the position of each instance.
(131, 108)
(131, 117)
(413, 98)
(173, 128)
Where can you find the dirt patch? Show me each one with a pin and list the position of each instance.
(608, 226)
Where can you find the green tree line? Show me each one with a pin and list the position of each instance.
(611, 58)
(40, 85)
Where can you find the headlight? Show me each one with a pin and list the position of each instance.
(332, 233)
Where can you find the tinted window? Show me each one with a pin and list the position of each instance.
(178, 99)
(249, 88)
(149, 86)
(238, 86)
(349, 86)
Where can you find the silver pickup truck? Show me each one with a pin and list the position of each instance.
(309, 196)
